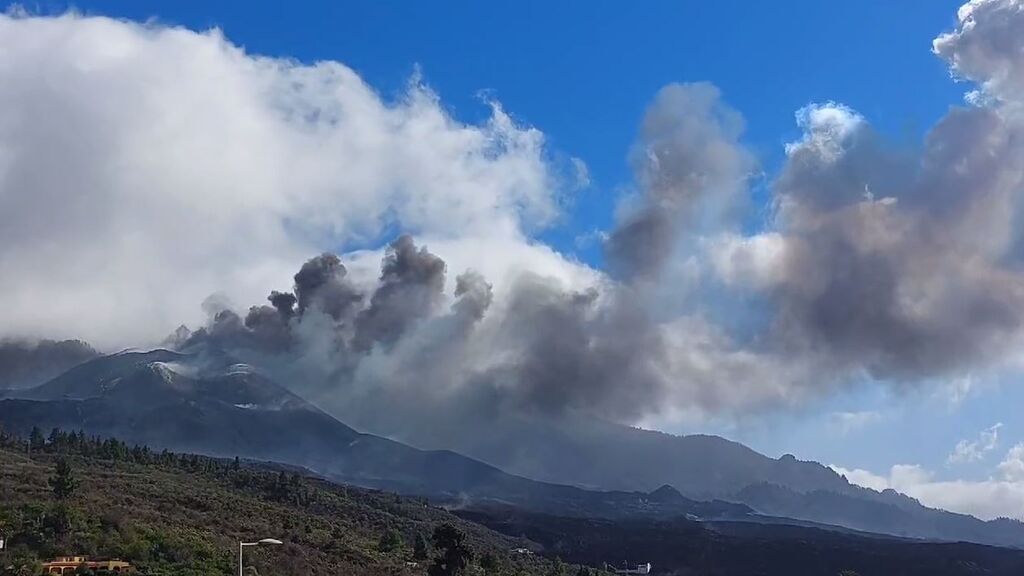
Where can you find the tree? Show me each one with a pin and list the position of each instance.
(420, 548)
(583, 571)
(489, 562)
(20, 561)
(64, 482)
(390, 540)
(557, 568)
(455, 555)
(36, 441)
(56, 437)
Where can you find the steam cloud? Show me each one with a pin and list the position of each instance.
(145, 167)
(905, 266)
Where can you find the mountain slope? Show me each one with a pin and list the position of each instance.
(227, 410)
(743, 548)
(213, 406)
(210, 404)
(581, 450)
(600, 455)
(901, 516)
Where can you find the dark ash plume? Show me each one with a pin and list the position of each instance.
(910, 280)
(577, 351)
(410, 288)
(283, 302)
(689, 166)
(271, 330)
(322, 283)
(473, 295)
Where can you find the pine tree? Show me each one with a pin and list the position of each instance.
(64, 482)
(36, 441)
(420, 548)
(390, 541)
(455, 554)
(489, 562)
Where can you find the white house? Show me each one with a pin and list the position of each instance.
(640, 569)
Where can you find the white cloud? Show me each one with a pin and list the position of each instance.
(143, 167)
(827, 128)
(1001, 495)
(986, 499)
(907, 476)
(862, 477)
(754, 261)
(987, 45)
(1012, 466)
(974, 450)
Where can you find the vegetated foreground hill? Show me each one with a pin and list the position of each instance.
(172, 514)
(184, 514)
(684, 547)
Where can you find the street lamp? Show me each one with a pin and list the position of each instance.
(264, 542)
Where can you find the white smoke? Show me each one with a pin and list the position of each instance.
(144, 167)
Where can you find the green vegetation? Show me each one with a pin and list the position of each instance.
(64, 483)
(454, 555)
(183, 514)
(557, 568)
(420, 548)
(390, 541)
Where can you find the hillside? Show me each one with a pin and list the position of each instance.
(209, 403)
(684, 547)
(160, 399)
(181, 514)
(219, 408)
(585, 451)
(884, 513)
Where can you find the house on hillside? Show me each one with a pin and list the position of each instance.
(68, 565)
(638, 569)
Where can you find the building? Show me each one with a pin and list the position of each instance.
(68, 565)
(639, 569)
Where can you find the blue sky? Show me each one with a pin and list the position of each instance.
(584, 72)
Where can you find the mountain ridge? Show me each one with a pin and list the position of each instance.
(136, 396)
(214, 405)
